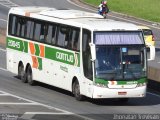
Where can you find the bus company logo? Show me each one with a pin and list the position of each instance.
(65, 57)
(12, 43)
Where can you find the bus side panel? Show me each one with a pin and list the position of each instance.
(59, 74)
(9, 59)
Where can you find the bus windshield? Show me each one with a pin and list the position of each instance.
(120, 62)
(117, 62)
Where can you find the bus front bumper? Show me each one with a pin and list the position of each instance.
(100, 92)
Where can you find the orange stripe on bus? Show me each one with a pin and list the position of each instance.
(41, 50)
(35, 62)
(32, 48)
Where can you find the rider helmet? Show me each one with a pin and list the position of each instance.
(104, 2)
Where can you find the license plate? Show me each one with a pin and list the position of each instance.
(122, 93)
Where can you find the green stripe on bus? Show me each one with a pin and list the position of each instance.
(50, 53)
(40, 63)
(25, 46)
(15, 44)
(37, 49)
(101, 81)
(61, 56)
(121, 82)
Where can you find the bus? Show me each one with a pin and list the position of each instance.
(77, 51)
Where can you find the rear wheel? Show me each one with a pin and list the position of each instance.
(29, 76)
(76, 91)
(21, 73)
(104, 15)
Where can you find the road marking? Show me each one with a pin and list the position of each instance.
(30, 115)
(3, 50)
(3, 20)
(8, 3)
(48, 113)
(10, 103)
(113, 15)
(153, 94)
(19, 97)
(3, 69)
(40, 104)
(4, 95)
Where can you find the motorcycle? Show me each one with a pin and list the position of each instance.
(104, 12)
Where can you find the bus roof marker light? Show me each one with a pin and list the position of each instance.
(27, 14)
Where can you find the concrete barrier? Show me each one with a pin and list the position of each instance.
(154, 78)
(154, 74)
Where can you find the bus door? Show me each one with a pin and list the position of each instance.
(87, 63)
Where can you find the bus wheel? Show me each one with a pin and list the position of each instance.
(21, 73)
(29, 76)
(76, 91)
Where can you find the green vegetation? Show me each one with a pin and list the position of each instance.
(146, 9)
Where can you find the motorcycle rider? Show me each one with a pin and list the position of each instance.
(100, 7)
(103, 7)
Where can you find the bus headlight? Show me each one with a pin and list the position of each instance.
(141, 84)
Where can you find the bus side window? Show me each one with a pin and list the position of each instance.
(66, 42)
(23, 27)
(42, 33)
(50, 34)
(75, 45)
(62, 36)
(30, 29)
(37, 31)
(12, 25)
(18, 27)
(28, 24)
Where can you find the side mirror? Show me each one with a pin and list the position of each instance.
(93, 51)
(152, 52)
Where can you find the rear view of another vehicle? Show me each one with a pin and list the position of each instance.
(148, 36)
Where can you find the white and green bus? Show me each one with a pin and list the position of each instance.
(77, 51)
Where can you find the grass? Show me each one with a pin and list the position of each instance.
(145, 9)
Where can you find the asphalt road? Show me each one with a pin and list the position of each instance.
(47, 99)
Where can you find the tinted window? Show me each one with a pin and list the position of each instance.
(87, 64)
(13, 24)
(63, 36)
(50, 34)
(147, 32)
(45, 32)
(37, 31)
(75, 42)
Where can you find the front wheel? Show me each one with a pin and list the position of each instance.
(76, 91)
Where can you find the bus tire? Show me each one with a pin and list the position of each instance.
(76, 91)
(29, 76)
(21, 73)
